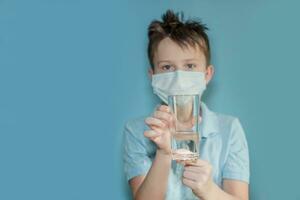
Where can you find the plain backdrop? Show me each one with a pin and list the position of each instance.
(73, 72)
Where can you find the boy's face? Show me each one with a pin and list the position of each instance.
(169, 57)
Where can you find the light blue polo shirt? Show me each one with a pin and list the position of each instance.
(223, 144)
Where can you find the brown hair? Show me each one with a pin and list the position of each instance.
(190, 32)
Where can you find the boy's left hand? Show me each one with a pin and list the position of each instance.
(197, 175)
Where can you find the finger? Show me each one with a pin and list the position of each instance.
(164, 108)
(158, 129)
(198, 162)
(154, 122)
(151, 134)
(194, 168)
(163, 116)
(191, 175)
(205, 170)
(189, 183)
(183, 162)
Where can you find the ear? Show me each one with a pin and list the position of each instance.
(150, 72)
(209, 73)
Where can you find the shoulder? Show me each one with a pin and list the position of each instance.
(230, 128)
(134, 124)
(226, 121)
(134, 130)
(227, 126)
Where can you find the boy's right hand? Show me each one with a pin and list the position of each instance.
(161, 125)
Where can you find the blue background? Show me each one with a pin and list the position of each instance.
(73, 72)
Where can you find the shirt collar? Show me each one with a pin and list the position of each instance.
(209, 123)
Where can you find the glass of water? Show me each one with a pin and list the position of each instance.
(185, 138)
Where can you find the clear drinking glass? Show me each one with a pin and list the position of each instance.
(185, 138)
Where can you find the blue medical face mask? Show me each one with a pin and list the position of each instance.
(178, 83)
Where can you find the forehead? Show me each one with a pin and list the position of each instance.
(169, 50)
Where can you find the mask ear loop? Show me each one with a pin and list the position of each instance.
(205, 74)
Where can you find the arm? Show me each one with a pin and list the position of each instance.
(197, 176)
(154, 184)
(233, 190)
(236, 188)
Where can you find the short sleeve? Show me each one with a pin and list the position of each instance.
(135, 151)
(237, 163)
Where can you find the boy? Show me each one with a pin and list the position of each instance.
(180, 51)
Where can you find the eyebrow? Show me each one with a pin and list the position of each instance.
(189, 59)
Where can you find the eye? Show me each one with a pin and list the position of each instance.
(190, 66)
(166, 67)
